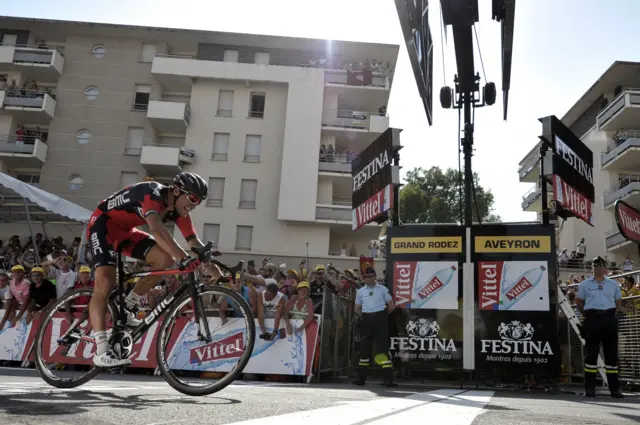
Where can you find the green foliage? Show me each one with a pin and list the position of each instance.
(434, 196)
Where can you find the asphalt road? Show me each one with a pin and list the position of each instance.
(140, 400)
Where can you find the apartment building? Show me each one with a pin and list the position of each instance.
(116, 104)
(607, 120)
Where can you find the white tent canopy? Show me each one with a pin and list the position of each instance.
(44, 206)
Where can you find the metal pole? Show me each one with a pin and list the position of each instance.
(33, 236)
(467, 148)
(543, 189)
(395, 214)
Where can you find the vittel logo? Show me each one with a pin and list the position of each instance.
(516, 338)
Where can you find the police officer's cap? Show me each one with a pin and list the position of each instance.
(369, 271)
(599, 262)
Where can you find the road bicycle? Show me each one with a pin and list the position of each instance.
(186, 304)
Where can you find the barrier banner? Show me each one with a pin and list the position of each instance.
(424, 262)
(292, 355)
(515, 318)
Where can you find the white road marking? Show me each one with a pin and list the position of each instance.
(451, 407)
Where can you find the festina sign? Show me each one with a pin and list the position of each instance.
(572, 159)
(372, 172)
(572, 201)
(628, 220)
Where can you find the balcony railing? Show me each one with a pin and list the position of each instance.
(622, 188)
(337, 162)
(340, 76)
(347, 119)
(620, 143)
(25, 98)
(614, 238)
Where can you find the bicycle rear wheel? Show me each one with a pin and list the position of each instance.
(64, 345)
(224, 358)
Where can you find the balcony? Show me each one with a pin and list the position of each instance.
(615, 241)
(622, 112)
(627, 189)
(161, 160)
(529, 170)
(355, 121)
(531, 201)
(32, 106)
(340, 77)
(338, 162)
(40, 63)
(334, 211)
(28, 154)
(623, 153)
(169, 115)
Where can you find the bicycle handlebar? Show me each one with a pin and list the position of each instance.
(206, 253)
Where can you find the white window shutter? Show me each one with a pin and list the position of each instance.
(244, 237)
(211, 232)
(230, 55)
(248, 191)
(252, 148)
(262, 58)
(135, 137)
(128, 178)
(225, 103)
(148, 52)
(216, 192)
(220, 146)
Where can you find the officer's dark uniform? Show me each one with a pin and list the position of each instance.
(600, 326)
(374, 328)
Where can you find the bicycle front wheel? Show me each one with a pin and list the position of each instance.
(64, 344)
(194, 364)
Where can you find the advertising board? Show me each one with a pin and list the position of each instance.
(424, 262)
(628, 221)
(515, 318)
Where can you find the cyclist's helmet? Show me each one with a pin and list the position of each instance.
(192, 184)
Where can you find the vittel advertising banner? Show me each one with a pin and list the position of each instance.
(424, 262)
(516, 330)
(628, 220)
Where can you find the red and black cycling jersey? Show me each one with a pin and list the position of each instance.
(129, 207)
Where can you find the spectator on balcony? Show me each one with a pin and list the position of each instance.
(581, 250)
(329, 154)
(373, 249)
(353, 252)
(627, 266)
(382, 111)
(20, 135)
(343, 250)
(3, 82)
(323, 154)
(13, 89)
(563, 258)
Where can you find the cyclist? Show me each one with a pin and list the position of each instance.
(113, 225)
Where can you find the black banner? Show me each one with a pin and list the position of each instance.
(371, 170)
(516, 309)
(424, 266)
(572, 159)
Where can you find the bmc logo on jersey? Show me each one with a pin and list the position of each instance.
(118, 200)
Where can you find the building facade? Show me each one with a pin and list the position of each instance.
(607, 120)
(112, 105)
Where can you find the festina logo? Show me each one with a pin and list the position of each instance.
(225, 348)
(370, 170)
(505, 346)
(422, 344)
(574, 160)
(489, 289)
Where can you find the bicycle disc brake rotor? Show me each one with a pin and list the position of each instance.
(122, 344)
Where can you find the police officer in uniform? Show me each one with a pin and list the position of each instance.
(374, 302)
(598, 298)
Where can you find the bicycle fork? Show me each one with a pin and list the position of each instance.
(202, 324)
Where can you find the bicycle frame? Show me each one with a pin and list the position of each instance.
(202, 325)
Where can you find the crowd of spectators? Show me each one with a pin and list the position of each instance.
(28, 89)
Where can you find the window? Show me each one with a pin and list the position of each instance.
(9, 39)
(220, 146)
(75, 181)
(141, 99)
(211, 232)
(248, 189)
(98, 52)
(91, 93)
(135, 136)
(252, 148)
(216, 192)
(32, 179)
(230, 55)
(83, 137)
(128, 178)
(262, 58)
(225, 103)
(257, 105)
(148, 52)
(244, 236)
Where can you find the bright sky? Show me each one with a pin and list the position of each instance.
(560, 48)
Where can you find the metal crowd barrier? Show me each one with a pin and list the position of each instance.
(336, 335)
(629, 341)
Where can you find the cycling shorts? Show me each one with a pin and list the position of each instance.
(105, 237)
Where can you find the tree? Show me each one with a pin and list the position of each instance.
(436, 196)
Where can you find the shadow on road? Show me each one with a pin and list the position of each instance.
(75, 402)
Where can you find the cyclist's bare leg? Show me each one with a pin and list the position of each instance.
(158, 259)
